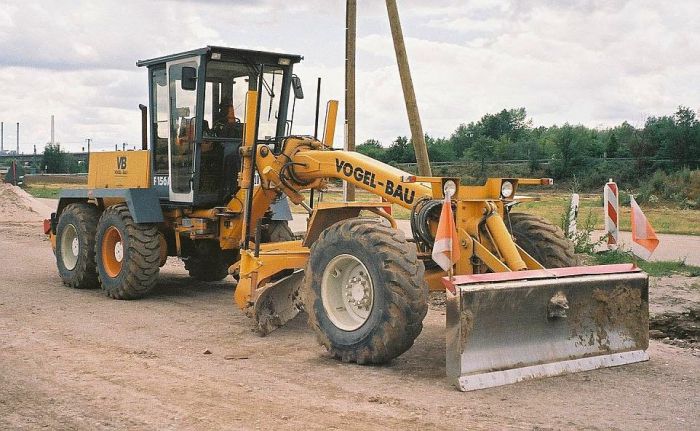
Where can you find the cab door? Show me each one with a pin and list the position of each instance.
(183, 123)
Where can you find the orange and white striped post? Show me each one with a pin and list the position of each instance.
(611, 209)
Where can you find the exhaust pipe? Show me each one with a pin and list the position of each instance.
(144, 127)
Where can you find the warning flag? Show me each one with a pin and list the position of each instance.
(446, 247)
(644, 240)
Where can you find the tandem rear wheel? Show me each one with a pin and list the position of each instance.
(127, 254)
(75, 245)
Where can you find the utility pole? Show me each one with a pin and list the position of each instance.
(2, 136)
(409, 94)
(18, 138)
(350, 38)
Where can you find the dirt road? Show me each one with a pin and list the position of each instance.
(73, 359)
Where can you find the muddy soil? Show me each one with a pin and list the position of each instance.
(185, 358)
(675, 311)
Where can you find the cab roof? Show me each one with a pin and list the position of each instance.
(227, 54)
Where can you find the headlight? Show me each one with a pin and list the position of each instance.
(449, 188)
(507, 189)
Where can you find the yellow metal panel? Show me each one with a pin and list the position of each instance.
(120, 169)
(251, 102)
(366, 173)
(273, 258)
(329, 130)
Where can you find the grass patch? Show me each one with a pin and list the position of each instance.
(49, 191)
(664, 218)
(656, 269)
(43, 192)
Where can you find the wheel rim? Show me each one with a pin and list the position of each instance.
(112, 251)
(347, 292)
(70, 247)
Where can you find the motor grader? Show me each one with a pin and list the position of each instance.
(213, 188)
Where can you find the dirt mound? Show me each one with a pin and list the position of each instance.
(16, 205)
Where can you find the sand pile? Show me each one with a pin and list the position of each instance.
(16, 205)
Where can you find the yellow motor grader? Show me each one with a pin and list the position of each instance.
(214, 186)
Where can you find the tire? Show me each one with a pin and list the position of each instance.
(127, 254)
(393, 312)
(542, 240)
(75, 245)
(208, 262)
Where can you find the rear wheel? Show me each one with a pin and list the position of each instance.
(75, 245)
(364, 291)
(208, 262)
(543, 241)
(127, 254)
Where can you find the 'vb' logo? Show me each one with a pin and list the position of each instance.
(121, 165)
(121, 162)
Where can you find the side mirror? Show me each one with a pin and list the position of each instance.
(189, 78)
(296, 86)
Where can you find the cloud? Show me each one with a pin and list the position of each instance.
(590, 62)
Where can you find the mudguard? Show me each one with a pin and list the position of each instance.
(143, 204)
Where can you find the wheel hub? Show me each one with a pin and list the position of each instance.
(112, 251)
(75, 246)
(347, 292)
(70, 247)
(118, 251)
(357, 292)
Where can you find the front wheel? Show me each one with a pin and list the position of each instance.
(364, 291)
(542, 240)
(127, 254)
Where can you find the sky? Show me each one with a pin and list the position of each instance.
(590, 62)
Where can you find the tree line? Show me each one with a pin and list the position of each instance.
(669, 142)
(57, 161)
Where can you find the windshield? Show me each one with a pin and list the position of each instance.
(224, 99)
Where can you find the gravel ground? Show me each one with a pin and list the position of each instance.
(72, 359)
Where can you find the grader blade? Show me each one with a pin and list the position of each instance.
(275, 304)
(507, 327)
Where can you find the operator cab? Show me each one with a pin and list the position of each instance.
(197, 107)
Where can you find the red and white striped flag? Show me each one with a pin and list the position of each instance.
(446, 247)
(644, 240)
